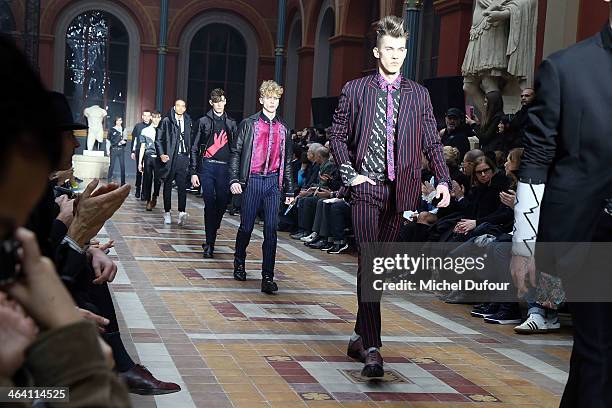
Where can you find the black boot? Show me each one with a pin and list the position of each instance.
(208, 250)
(239, 272)
(268, 285)
(137, 195)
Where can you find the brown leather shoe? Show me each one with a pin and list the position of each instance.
(356, 351)
(149, 206)
(140, 381)
(373, 365)
(153, 201)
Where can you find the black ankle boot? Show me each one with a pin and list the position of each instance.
(239, 272)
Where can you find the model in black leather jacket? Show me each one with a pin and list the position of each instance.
(203, 130)
(242, 149)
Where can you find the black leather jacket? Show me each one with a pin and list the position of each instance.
(115, 137)
(242, 149)
(203, 130)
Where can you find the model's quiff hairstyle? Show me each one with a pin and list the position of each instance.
(156, 114)
(392, 26)
(270, 88)
(216, 94)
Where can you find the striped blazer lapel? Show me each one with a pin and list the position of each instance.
(368, 110)
(405, 113)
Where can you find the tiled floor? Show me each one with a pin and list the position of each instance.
(229, 345)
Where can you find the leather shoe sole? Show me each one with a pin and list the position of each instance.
(151, 391)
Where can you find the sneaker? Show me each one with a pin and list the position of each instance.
(167, 218)
(485, 311)
(309, 238)
(298, 235)
(536, 323)
(327, 246)
(182, 218)
(504, 317)
(338, 248)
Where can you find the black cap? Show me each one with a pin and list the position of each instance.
(63, 113)
(454, 113)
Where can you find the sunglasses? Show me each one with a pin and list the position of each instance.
(483, 172)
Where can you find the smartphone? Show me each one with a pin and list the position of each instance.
(9, 259)
(436, 201)
(469, 111)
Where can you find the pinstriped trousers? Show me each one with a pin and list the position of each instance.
(261, 192)
(375, 219)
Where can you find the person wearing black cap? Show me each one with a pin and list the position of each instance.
(456, 132)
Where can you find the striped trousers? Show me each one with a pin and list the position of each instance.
(261, 192)
(374, 220)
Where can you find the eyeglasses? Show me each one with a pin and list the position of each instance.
(483, 172)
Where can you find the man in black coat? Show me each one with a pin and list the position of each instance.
(209, 164)
(565, 179)
(137, 140)
(173, 148)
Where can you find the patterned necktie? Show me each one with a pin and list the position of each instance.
(390, 128)
(269, 151)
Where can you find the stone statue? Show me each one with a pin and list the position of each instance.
(501, 48)
(95, 117)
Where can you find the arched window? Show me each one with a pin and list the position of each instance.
(217, 59)
(96, 63)
(7, 21)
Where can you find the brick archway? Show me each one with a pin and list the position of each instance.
(137, 13)
(242, 10)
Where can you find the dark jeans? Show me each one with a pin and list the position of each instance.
(150, 180)
(306, 212)
(178, 173)
(214, 179)
(339, 218)
(261, 192)
(117, 153)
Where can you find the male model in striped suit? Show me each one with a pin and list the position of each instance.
(260, 170)
(382, 125)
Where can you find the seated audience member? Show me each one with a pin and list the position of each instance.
(332, 217)
(476, 210)
(65, 234)
(329, 180)
(456, 132)
(307, 189)
(499, 251)
(41, 329)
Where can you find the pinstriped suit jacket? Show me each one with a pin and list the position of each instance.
(416, 132)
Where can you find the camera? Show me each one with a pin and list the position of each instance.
(60, 191)
(9, 259)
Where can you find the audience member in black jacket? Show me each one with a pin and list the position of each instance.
(487, 134)
(480, 205)
(456, 133)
